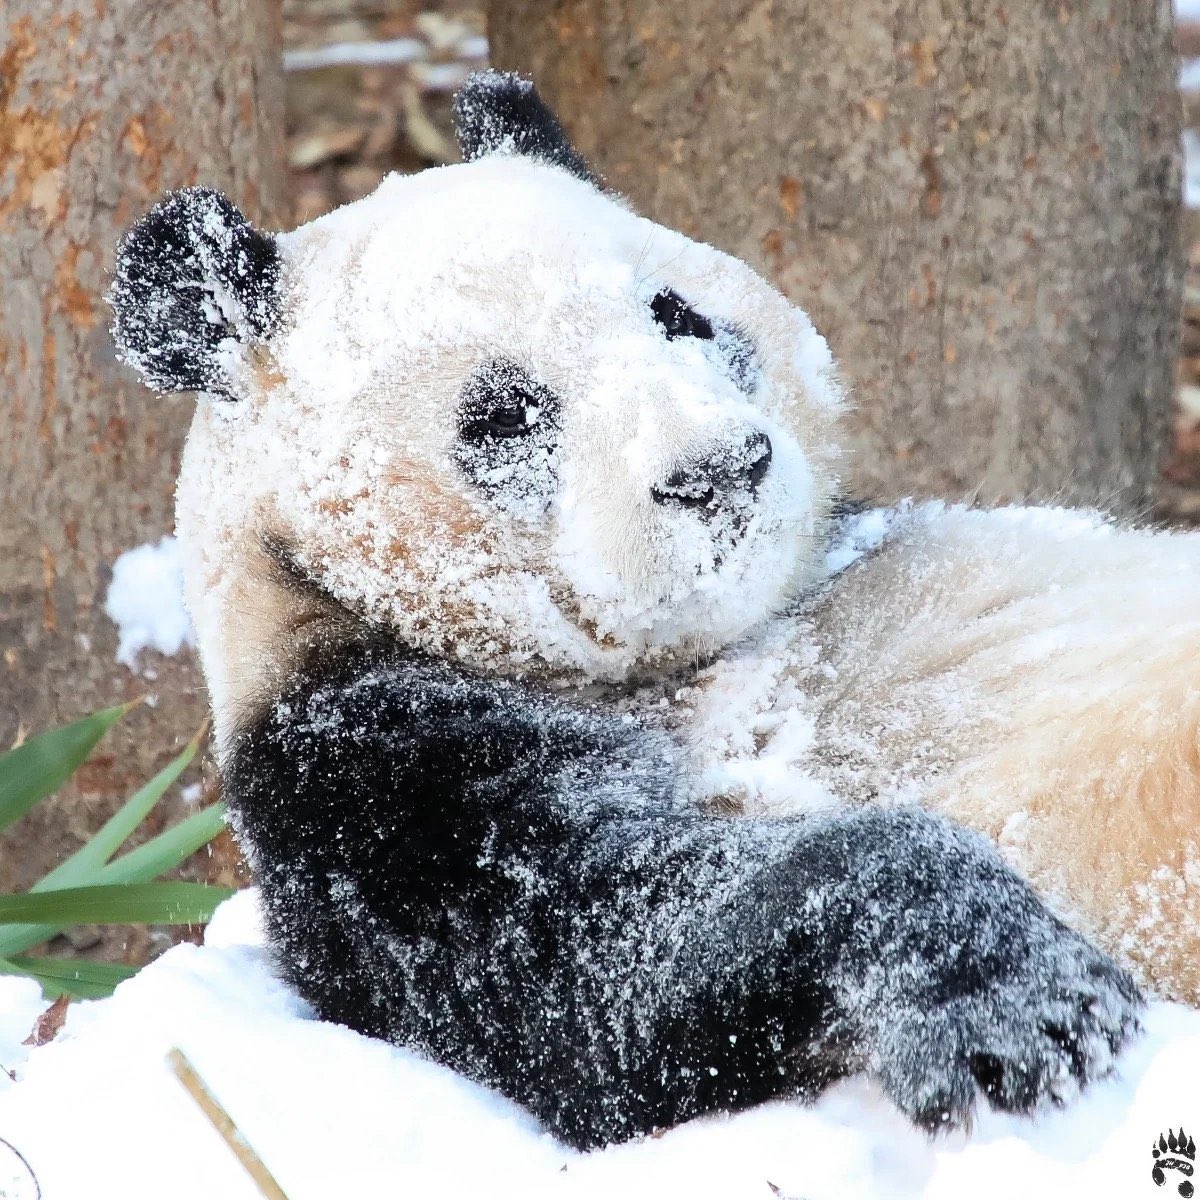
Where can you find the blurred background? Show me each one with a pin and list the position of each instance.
(990, 209)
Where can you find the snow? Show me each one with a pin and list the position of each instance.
(1191, 168)
(332, 1113)
(359, 54)
(145, 601)
(392, 52)
(375, 348)
(20, 1002)
(861, 533)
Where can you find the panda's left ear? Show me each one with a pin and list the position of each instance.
(498, 112)
(193, 279)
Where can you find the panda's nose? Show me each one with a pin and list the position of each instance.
(729, 473)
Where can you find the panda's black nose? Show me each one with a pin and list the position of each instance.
(728, 474)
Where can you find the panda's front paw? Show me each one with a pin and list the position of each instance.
(1031, 1029)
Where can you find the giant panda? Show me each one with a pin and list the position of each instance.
(579, 738)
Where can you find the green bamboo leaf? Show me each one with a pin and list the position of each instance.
(15, 938)
(159, 854)
(103, 844)
(150, 903)
(167, 850)
(74, 969)
(43, 764)
(72, 977)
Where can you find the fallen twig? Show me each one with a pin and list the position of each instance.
(223, 1123)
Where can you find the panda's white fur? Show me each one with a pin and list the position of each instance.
(1028, 671)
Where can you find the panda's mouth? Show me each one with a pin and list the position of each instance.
(728, 534)
(677, 608)
(631, 660)
(728, 528)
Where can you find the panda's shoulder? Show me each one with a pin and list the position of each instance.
(367, 713)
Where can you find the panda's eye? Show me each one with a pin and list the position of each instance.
(501, 402)
(677, 318)
(512, 419)
(513, 415)
(508, 426)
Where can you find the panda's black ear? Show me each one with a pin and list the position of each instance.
(497, 112)
(192, 275)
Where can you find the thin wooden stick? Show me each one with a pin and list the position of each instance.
(223, 1123)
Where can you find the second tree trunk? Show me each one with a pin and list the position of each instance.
(976, 202)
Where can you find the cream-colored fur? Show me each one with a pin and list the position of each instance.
(1028, 672)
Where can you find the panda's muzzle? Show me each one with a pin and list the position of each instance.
(726, 480)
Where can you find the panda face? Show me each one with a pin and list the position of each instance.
(518, 425)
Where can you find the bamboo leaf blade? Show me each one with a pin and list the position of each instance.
(40, 766)
(170, 903)
(104, 843)
(75, 978)
(161, 853)
(78, 969)
(167, 850)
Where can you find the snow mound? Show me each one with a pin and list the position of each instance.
(96, 1112)
(145, 601)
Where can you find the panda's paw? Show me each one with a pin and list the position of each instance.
(1048, 1025)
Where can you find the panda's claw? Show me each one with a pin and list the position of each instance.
(1033, 1039)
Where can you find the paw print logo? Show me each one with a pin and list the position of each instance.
(1175, 1152)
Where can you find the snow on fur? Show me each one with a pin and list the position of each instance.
(333, 1113)
(344, 440)
(1027, 671)
(516, 886)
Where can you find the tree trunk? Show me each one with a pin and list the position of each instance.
(104, 104)
(977, 201)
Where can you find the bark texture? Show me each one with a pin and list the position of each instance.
(977, 201)
(104, 104)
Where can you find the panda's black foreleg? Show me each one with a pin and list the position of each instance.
(511, 885)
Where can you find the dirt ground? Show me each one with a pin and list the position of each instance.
(369, 85)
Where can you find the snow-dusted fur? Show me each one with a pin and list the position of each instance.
(1029, 672)
(520, 888)
(487, 426)
(544, 555)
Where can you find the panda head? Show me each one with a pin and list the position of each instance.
(487, 409)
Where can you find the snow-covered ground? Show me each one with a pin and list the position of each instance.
(336, 1116)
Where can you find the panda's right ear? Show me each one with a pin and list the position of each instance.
(193, 279)
(498, 112)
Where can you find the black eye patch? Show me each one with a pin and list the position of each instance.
(738, 351)
(678, 319)
(507, 445)
(501, 402)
